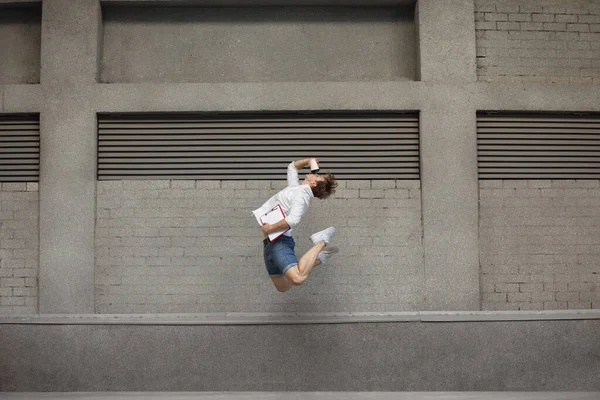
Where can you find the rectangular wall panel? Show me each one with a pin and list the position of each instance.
(238, 146)
(538, 145)
(19, 148)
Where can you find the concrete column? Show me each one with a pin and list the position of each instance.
(446, 35)
(70, 37)
(449, 155)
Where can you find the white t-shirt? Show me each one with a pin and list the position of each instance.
(294, 199)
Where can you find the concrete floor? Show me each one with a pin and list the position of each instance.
(305, 396)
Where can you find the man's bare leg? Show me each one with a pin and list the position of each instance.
(298, 273)
(282, 283)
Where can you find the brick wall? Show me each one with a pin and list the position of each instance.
(19, 243)
(540, 244)
(193, 246)
(545, 41)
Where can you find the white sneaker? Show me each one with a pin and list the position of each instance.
(324, 235)
(326, 253)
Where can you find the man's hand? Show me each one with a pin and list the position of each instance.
(267, 228)
(279, 226)
(299, 164)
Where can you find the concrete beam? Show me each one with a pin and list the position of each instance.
(21, 98)
(258, 3)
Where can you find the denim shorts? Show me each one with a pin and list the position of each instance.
(280, 256)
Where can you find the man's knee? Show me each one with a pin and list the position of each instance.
(297, 279)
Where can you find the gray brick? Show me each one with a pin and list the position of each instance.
(12, 282)
(590, 37)
(146, 184)
(26, 309)
(578, 27)
(506, 287)
(496, 17)
(542, 17)
(25, 292)
(577, 10)
(543, 297)
(383, 184)
(346, 194)
(519, 297)
(32, 187)
(595, 28)
(485, 6)
(25, 273)
(567, 296)
(530, 7)
(531, 306)
(519, 17)
(499, 306)
(566, 18)
(354, 184)
(512, 183)
(486, 184)
(30, 282)
(12, 301)
(14, 187)
(483, 26)
(531, 287)
(509, 26)
(233, 185)
(578, 286)
(555, 26)
(579, 305)
(183, 184)
(494, 297)
(555, 305)
(371, 194)
(552, 9)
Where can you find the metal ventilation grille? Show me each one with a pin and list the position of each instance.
(538, 146)
(241, 146)
(19, 148)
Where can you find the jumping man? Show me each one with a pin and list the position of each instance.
(283, 266)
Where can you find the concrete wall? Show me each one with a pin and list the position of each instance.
(538, 41)
(409, 356)
(447, 96)
(193, 246)
(258, 44)
(19, 248)
(20, 30)
(399, 356)
(540, 244)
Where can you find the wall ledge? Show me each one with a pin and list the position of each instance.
(297, 318)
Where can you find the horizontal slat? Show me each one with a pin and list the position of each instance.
(254, 143)
(249, 161)
(266, 176)
(19, 148)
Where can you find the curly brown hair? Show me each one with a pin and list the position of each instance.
(326, 188)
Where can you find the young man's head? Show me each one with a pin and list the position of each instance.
(322, 185)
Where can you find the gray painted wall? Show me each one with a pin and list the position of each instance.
(540, 244)
(194, 246)
(538, 41)
(410, 356)
(19, 247)
(69, 96)
(20, 30)
(258, 44)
